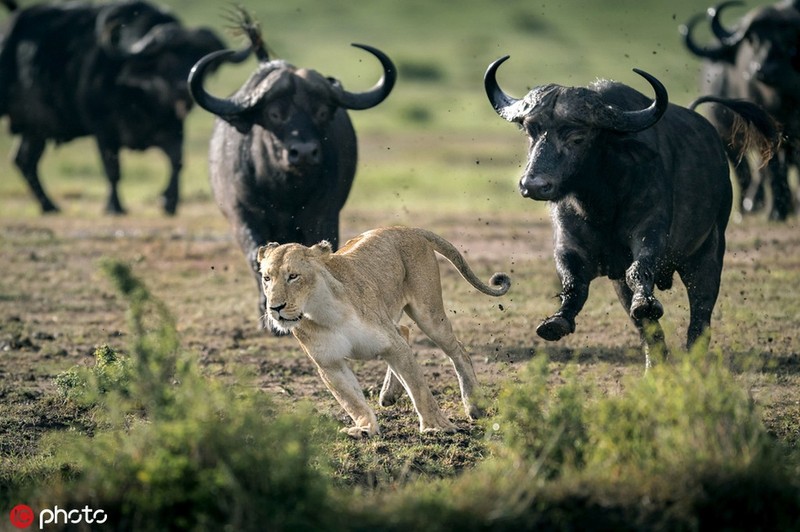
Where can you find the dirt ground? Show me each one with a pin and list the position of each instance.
(56, 307)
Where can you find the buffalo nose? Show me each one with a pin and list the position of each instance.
(537, 187)
(304, 153)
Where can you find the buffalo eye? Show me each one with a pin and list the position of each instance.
(275, 114)
(323, 114)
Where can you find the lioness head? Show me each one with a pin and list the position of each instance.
(289, 275)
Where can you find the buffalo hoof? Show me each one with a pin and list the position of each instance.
(170, 206)
(50, 208)
(555, 328)
(115, 210)
(646, 307)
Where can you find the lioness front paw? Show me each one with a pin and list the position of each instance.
(440, 424)
(646, 307)
(359, 432)
(555, 328)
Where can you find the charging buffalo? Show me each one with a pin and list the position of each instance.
(116, 72)
(759, 61)
(283, 152)
(638, 190)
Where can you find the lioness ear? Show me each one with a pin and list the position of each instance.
(323, 248)
(263, 251)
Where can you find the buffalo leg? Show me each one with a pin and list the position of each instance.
(751, 191)
(650, 332)
(782, 205)
(110, 158)
(641, 280)
(250, 240)
(171, 194)
(574, 292)
(29, 152)
(701, 275)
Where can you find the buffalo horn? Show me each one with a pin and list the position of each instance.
(375, 95)
(212, 104)
(499, 99)
(720, 52)
(720, 32)
(633, 121)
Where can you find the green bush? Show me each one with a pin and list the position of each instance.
(189, 453)
(541, 426)
(681, 448)
(683, 416)
(86, 386)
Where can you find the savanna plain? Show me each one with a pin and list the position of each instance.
(244, 434)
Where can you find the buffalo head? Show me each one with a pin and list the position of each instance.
(154, 51)
(293, 105)
(563, 125)
(764, 45)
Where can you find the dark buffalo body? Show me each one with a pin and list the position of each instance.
(638, 190)
(758, 60)
(283, 152)
(116, 72)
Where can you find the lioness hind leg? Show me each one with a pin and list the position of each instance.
(401, 362)
(432, 321)
(392, 387)
(342, 383)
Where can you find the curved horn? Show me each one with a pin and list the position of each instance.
(120, 27)
(720, 32)
(633, 121)
(218, 106)
(499, 99)
(721, 52)
(154, 40)
(375, 95)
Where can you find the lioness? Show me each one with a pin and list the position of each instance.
(347, 304)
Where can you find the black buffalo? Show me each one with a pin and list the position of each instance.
(282, 155)
(759, 61)
(115, 71)
(638, 190)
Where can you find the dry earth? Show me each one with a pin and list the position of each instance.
(56, 307)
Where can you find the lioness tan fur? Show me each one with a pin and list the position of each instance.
(347, 305)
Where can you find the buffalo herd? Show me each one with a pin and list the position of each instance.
(639, 188)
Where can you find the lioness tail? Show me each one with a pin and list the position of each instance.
(500, 280)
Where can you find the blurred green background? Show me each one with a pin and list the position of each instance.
(435, 143)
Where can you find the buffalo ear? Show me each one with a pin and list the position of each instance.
(323, 248)
(633, 152)
(264, 251)
(243, 124)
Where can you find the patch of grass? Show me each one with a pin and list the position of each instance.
(176, 447)
(682, 448)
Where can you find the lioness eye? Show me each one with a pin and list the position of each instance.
(293, 276)
(266, 278)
